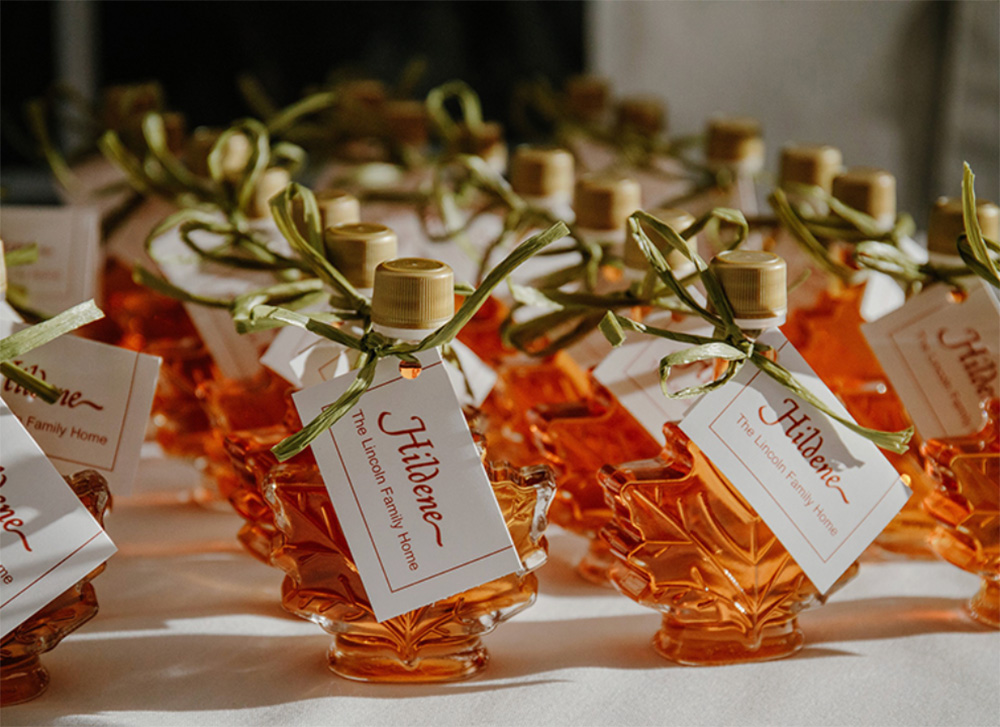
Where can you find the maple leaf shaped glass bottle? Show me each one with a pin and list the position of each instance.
(687, 543)
(602, 204)
(966, 506)
(22, 675)
(734, 153)
(828, 335)
(438, 642)
(356, 250)
(579, 437)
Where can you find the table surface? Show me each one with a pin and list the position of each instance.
(190, 632)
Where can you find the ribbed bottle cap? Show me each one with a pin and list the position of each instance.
(480, 139)
(868, 190)
(732, 140)
(604, 201)
(815, 164)
(678, 220)
(337, 207)
(538, 171)
(587, 96)
(754, 281)
(406, 122)
(413, 293)
(271, 182)
(946, 223)
(642, 115)
(357, 248)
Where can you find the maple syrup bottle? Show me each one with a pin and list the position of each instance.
(829, 337)
(246, 430)
(965, 506)
(438, 642)
(814, 165)
(577, 438)
(734, 150)
(687, 543)
(22, 676)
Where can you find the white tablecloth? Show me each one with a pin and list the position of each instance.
(190, 632)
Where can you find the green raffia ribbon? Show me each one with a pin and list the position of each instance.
(373, 346)
(974, 248)
(27, 339)
(584, 311)
(730, 343)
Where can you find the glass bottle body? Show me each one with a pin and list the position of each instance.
(829, 337)
(22, 675)
(578, 438)
(687, 544)
(439, 642)
(966, 506)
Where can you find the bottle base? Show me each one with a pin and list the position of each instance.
(369, 664)
(984, 607)
(704, 647)
(595, 566)
(22, 680)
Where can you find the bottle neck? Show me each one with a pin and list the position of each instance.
(403, 335)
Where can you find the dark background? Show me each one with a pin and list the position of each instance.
(198, 49)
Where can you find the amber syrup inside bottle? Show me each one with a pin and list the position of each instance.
(22, 675)
(828, 335)
(438, 642)
(579, 437)
(966, 507)
(233, 406)
(685, 541)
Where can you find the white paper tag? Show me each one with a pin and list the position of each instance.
(127, 241)
(631, 373)
(321, 362)
(288, 345)
(94, 175)
(100, 420)
(237, 356)
(882, 295)
(69, 257)
(942, 357)
(49, 540)
(824, 491)
(409, 488)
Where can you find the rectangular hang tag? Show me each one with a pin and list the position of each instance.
(409, 488)
(127, 241)
(321, 362)
(237, 356)
(69, 255)
(942, 357)
(99, 422)
(631, 373)
(49, 540)
(290, 343)
(882, 295)
(825, 491)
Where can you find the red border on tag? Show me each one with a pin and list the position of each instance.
(764, 487)
(365, 520)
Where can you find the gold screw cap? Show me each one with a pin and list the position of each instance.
(357, 248)
(754, 281)
(406, 122)
(678, 220)
(587, 96)
(732, 140)
(337, 207)
(869, 190)
(271, 182)
(538, 171)
(604, 202)
(642, 115)
(815, 164)
(413, 293)
(946, 223)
